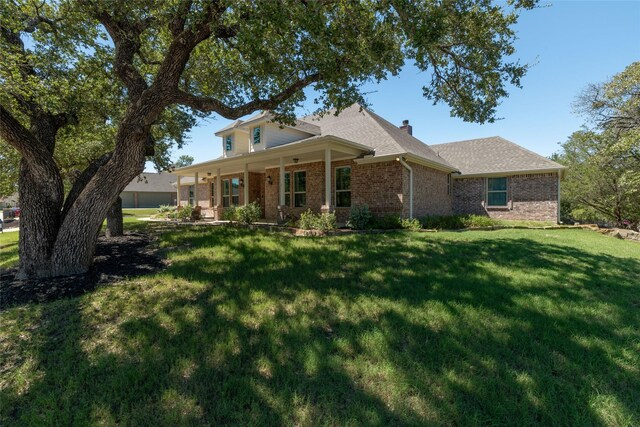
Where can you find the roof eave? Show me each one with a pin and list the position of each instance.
(560, 169)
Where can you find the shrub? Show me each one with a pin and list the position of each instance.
(229, 213)
(184, 213)
(456, 222)
(249, 213)
(387, 222)
(326, 222)
(359, 218)
(411, 224)
(166, 211)
(322, 222)
(307, 220)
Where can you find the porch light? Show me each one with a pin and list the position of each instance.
(241, 182)
(295, 160)
(269, 180)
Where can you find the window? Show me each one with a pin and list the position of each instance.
(256, 135)
(226, 193)
(343, 187)
(496, 191)
(299, 189)
(235, 191)
(287, 188)
(191, 195)
(448, 184)
(228, 143)
(213, 194)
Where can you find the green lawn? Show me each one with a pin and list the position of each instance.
(249, 328)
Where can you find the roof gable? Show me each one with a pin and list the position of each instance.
(152, 182)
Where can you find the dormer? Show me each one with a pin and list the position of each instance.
(235, 140)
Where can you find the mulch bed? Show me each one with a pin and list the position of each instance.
(115, 259)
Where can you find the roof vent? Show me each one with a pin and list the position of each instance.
(406, 127)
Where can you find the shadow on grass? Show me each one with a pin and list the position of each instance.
(354, 330)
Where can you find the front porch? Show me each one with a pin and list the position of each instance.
(284, 179)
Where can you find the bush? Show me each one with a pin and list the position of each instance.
(456, 222)
(359, 218)
(322, 222)
(387, 222)
(166, 211)
(184, 213)
(326, 222)
(229, 213)
(411, 224)
(307, 220)
(249, 213)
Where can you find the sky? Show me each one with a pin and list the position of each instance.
(568, 44)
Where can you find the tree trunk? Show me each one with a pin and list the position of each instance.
(114, 219)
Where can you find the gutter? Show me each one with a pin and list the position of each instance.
(406, 165)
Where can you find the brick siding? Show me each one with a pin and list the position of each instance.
(534, 197)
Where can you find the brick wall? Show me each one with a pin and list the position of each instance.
(429, 192)
(534, 197)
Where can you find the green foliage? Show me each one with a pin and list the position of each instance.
(9, 171)
(387, 222)
(184, 213)
(411, 224)
(359, 217)
(324, 222)
(248, 214)
(184, 160)
(456, 222)
(166, 211)
(229, 213)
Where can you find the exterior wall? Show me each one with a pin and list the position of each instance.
(272, 136)
(315, 189)
(533, 197)
(147, 199)
(429, 192)
(240, 143)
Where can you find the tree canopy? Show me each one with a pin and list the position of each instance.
(131, 76)
(603, 177)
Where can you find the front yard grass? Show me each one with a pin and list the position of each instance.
(250, 328)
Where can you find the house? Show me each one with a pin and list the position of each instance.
(150, 190)
(332, 163)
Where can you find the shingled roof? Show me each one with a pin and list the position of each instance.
(492, 155)
(152, 182)
(360, 125)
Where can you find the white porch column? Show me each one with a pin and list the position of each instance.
(246, 184)
(327, 179)
(178, 186)
(195, 190)
(281, 182)
(218, 188)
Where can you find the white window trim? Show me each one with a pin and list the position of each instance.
(225, 143)
(252, 135)
(228, 196)
(212, 192)
(231, 191)
(449, 179)
(336, 191)
(288, 190)
(487, 191)
(192, 195)
(294, 192)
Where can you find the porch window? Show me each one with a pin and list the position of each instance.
(256, 135)
(299, 188)
(213, 194)
(287, 188)
(496, 191)
(343, 187)
(235, 191)
(226, 193)
(228, 143)
(191, 195)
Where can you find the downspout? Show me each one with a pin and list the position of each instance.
(403, 163)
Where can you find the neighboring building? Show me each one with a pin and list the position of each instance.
(10, 201)
(332, 163)
(150, 190)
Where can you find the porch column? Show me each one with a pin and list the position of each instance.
(281, 182)
(178, 186)
(327, 179)
(195, 190)
(218, 194)
(246, 184)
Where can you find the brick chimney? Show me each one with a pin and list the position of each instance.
(406, 127)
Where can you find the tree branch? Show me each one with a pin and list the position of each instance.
(81, 182)
(208, 105)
